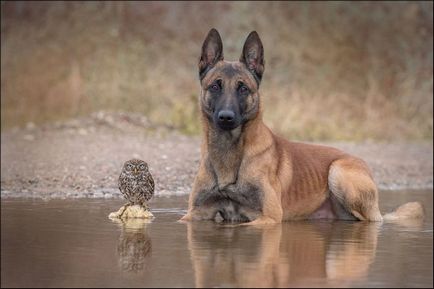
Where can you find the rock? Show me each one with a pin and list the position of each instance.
(134, 211)
(30, 126)
(82, 131)
(136, 156)
(98, 195)
(29, 137)
(132, 224)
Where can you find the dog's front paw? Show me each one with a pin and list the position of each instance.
(261, 221)
(185, 218)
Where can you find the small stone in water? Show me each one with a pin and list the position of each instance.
(134, 211)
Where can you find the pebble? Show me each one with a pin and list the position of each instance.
(98, 195)
(29, 137)
(30, 126)
(82, 131)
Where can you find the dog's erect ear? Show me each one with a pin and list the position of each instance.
(212, 52)
(253, 55)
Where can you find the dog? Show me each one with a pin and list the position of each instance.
(249, 175)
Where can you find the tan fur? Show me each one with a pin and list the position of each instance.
(296, 180)
(411, 210)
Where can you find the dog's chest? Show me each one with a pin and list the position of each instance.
(234, 203)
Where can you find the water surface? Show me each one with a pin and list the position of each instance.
(72, 243)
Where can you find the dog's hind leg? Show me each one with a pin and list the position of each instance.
(351, 184)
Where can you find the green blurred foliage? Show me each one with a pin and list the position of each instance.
(334, 70)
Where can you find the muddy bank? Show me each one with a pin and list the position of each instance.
(83, 157)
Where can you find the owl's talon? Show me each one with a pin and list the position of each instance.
(125, 207)
(145, 206)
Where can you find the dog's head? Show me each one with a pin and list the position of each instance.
(229, 96)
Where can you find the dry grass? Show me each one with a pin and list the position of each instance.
(335, 70)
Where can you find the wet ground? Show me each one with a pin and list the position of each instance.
(83, 157)
(72, 243)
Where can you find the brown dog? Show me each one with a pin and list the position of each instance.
(249, 174)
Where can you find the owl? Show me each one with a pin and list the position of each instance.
(136, 183)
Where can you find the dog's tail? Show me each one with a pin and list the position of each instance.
(411, 210)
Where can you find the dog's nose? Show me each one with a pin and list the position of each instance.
(226, 116)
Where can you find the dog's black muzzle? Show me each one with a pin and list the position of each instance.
(226, 119)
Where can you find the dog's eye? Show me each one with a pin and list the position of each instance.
(243, 89)
(215, 87)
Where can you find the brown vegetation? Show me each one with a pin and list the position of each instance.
(334, 70)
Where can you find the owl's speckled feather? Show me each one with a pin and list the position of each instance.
(136, 182)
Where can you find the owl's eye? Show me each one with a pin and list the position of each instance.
(129, 167)
(142, 167)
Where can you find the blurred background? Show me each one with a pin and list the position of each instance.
(334, 70)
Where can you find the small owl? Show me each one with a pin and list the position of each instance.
(136, 182)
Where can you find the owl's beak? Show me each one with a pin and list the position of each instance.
(135, 170)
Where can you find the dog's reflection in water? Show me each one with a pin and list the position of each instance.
(134, 244)
(281, 255)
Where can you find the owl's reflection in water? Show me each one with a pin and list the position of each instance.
(134, 244)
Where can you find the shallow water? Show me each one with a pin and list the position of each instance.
(72, 243)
